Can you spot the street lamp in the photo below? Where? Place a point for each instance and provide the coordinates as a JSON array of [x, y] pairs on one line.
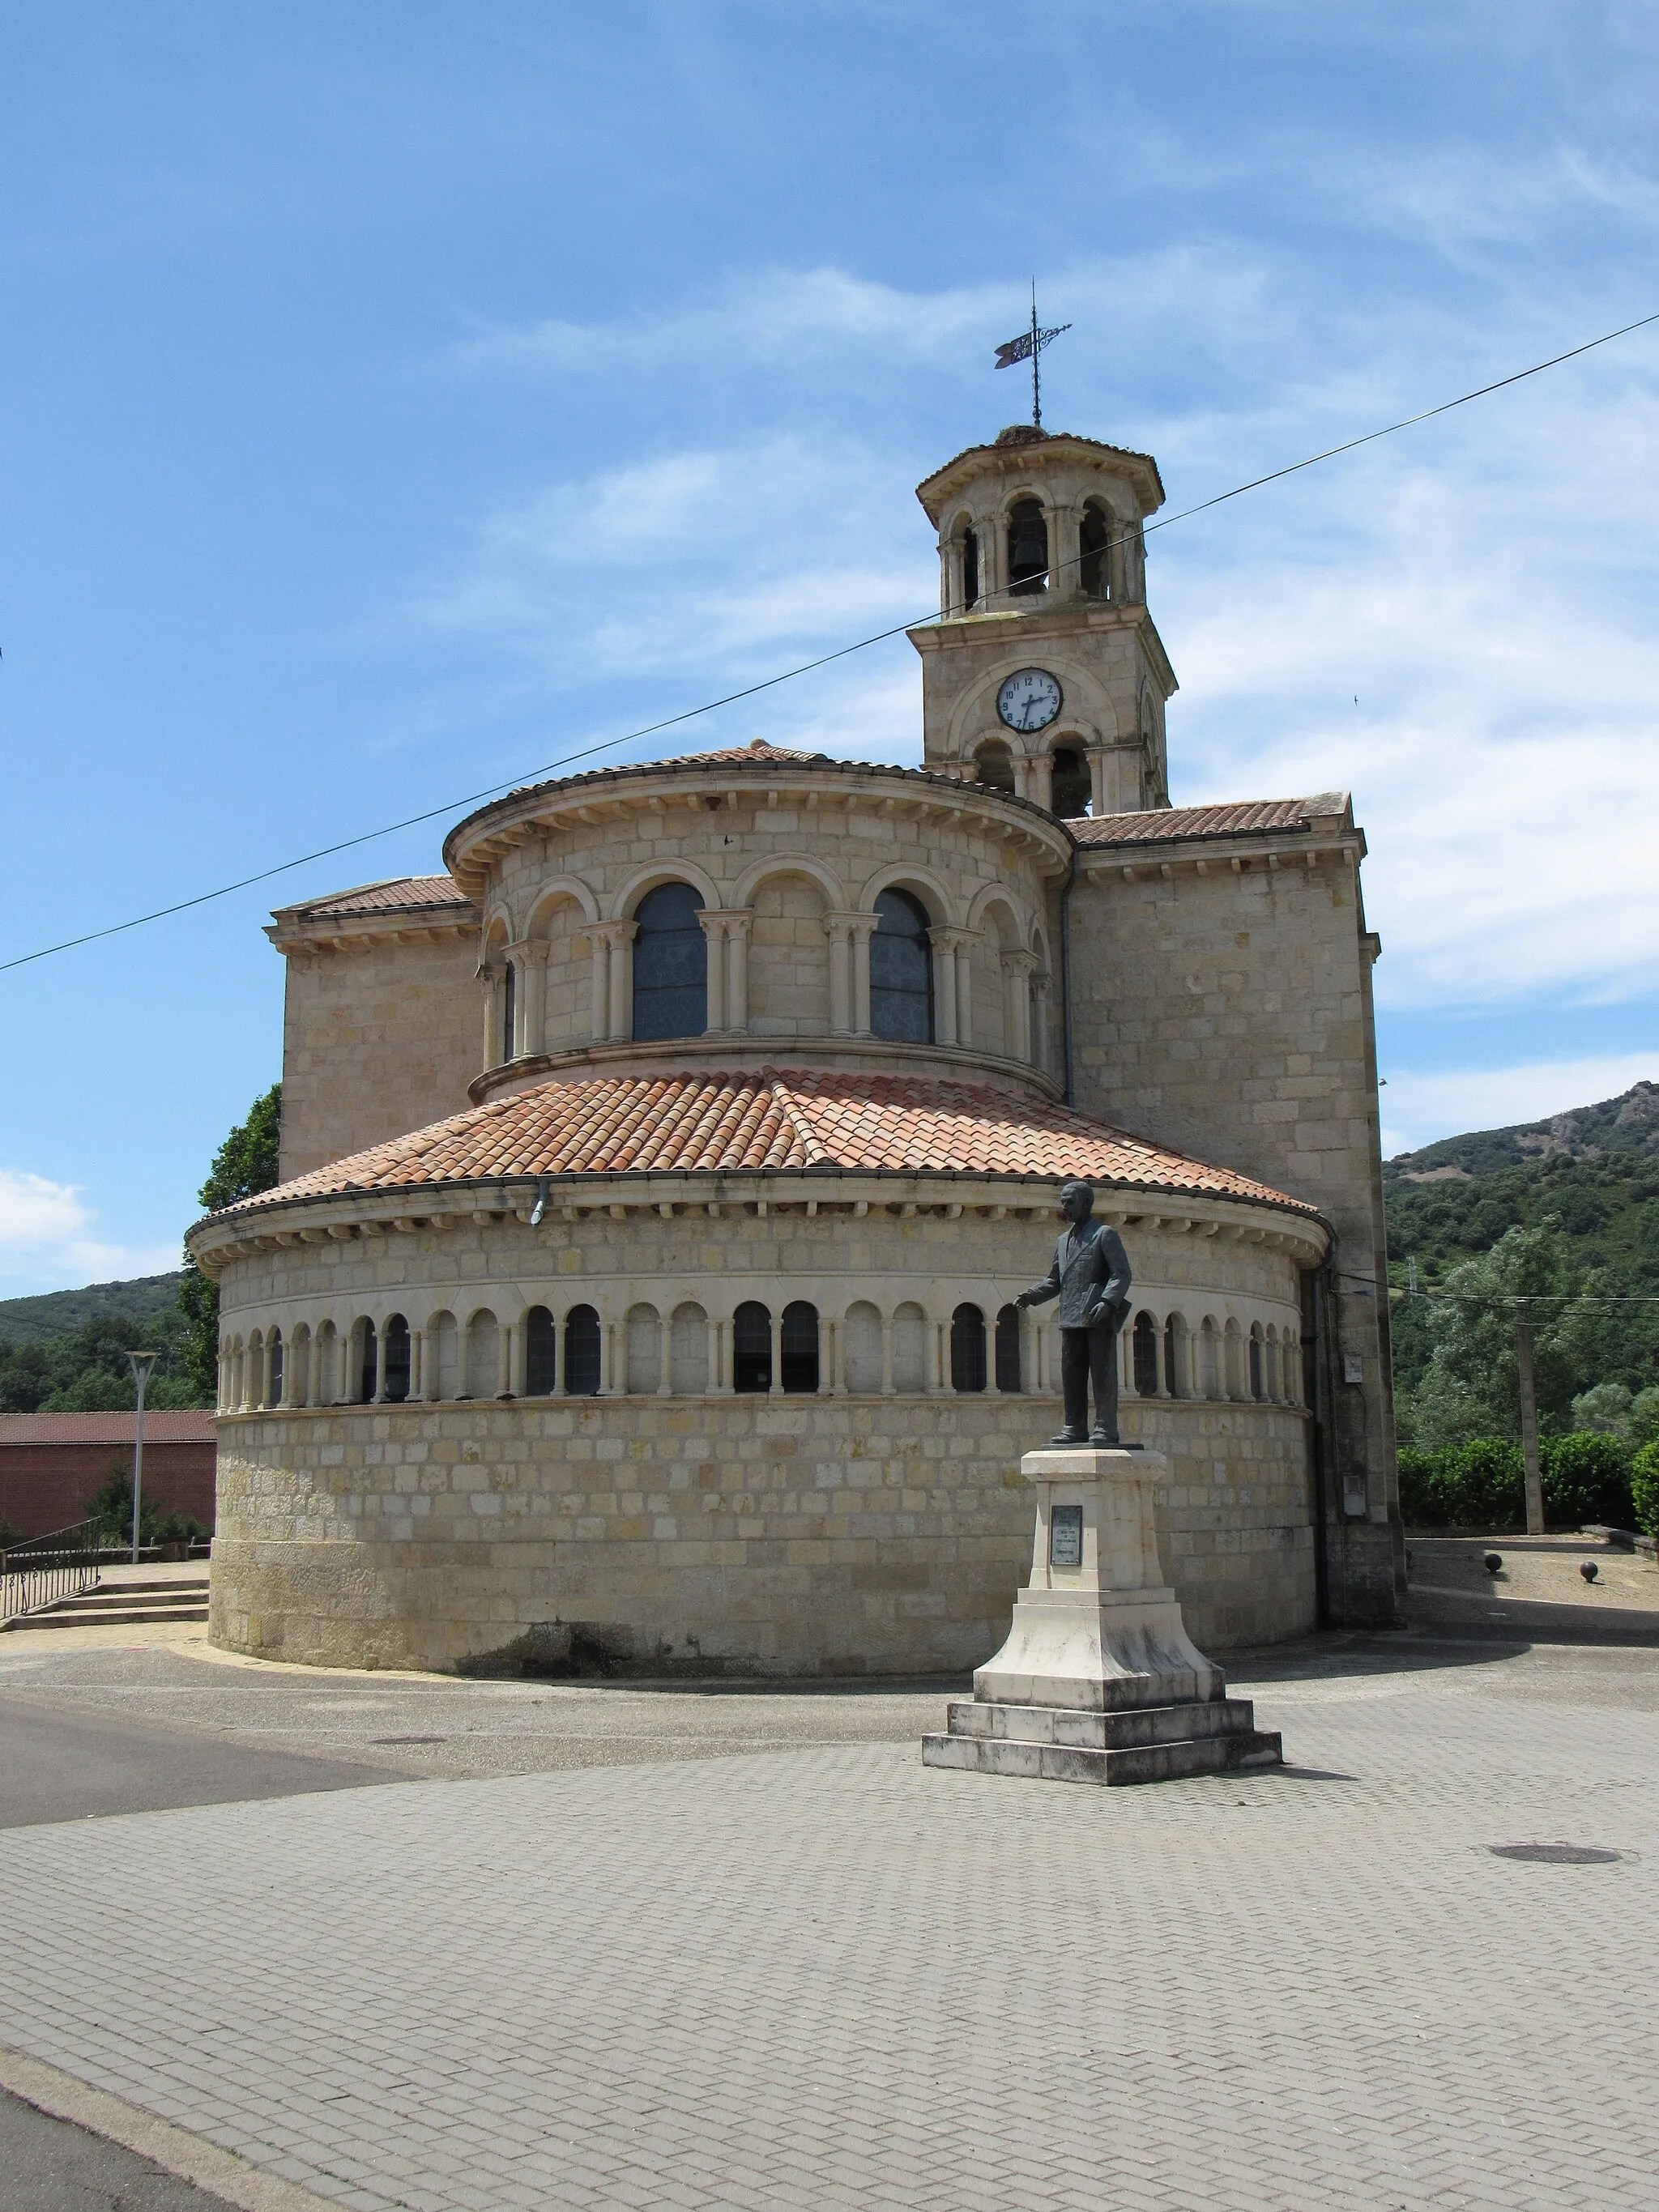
[[141, 1363]]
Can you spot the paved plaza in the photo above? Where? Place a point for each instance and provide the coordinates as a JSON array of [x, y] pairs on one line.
[[742, 1950]]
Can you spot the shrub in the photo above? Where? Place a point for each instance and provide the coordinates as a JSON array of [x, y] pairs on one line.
[[1587, 1477], [1478, 1485], [1644, 1488], [1420, 1505]]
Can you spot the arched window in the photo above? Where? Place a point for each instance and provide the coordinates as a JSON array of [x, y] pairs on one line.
[[799, 1346], [1145, 1356], [1094, 539], [509, 1010], [541, 1338], [1171, 1372], [1008, 1373], [967, 1349], [752, 1347], [582, 1352], [484, 1355], [397, 1359], [274, 1353], [1073, 788], [969, 570], [910, 1331], [993, 765], [1028, 548], [670, 964], [1257, 1387], [366, 1368], [901, 971]]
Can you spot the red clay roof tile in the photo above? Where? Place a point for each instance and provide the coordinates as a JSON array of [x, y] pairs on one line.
[[792, 1118], [174, 1425], [1237, 819], [398, 892]]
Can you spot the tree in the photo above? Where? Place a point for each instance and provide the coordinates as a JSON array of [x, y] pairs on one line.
[[245, 1165], [1472, 1386]]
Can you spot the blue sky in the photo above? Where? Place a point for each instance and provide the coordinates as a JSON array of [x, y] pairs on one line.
[[398, 397]]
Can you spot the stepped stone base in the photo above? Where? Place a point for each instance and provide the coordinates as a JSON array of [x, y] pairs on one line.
[[1098, 1681]]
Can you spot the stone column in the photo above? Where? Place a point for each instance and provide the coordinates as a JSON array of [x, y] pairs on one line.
[[939, 1357], [838, 928], [1061, 522], [488, 979], [285, 1396], [887, 1384], [532, 996], [776, 1390], [826, 1357], [610, 1364], [1101, 800], [863, 929], [599, 944], [1017, 969], [1040, 1056], [623, 934], [738, 924], [720, 1333], [992, 558], [416, 1364], [1117, 558], [1040, 781], [965, 952], [945, 985], [838, 1358], [379, 1398], [714, 929]]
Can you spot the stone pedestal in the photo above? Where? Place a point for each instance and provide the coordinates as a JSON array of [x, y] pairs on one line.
[[1098, 1681]]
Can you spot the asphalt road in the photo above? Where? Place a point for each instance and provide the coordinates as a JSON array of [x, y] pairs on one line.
[[52, 2166]]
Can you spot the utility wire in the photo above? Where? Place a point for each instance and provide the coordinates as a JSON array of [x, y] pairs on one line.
[[806, 667]]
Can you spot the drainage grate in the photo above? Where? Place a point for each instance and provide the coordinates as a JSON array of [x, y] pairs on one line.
[[409, 1739], [1556, 1854]]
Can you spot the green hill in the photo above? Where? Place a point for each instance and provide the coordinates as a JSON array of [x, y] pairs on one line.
[[1595, 1171], [56, 1313]]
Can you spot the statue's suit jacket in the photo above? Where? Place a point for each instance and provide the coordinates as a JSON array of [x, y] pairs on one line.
[[1091, 1269]]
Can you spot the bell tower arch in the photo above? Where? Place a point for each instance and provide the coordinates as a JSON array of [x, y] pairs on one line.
[[1045, 666]]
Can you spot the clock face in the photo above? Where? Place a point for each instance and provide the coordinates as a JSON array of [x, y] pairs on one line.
[[1030, 699]]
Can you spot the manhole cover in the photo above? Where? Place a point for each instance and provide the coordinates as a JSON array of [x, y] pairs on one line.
[[1556, 1854], [433, 1739]]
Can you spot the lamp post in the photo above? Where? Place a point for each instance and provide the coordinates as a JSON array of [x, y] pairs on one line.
[[141, 1363]]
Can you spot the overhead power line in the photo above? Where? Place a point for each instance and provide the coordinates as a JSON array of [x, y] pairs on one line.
[[802, 668]]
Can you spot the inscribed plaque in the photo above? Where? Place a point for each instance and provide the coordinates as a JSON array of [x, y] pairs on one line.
[[1065, 1536]]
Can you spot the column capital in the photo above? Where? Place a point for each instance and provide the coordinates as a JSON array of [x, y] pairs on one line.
[[731, 919], [949, 939], [1018, 963]]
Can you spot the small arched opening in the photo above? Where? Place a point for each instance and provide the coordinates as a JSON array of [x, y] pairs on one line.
[[967, 1349], [397, 1359], [752, 1347], [798, 1347], [367, 1363], [993, 765], [644, 1350], [1258, 1365], [1071, 789], [1009, 1378], [1145, 1356], [1094, 568], [274, 1362], [670, 964], [582, 1352], [902, 970], [1028, 548], [541, 1342]]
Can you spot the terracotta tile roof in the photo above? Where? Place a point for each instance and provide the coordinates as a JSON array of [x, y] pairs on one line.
[[1241, 819], [175, 1427], [797, 1118], [757, 749], [399, 893]]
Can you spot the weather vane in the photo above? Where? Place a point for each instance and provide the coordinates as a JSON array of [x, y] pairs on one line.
[[1027, 347]]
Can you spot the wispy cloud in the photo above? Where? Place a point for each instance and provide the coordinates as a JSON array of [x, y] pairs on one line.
[[48, 1240], [1418, 1109]]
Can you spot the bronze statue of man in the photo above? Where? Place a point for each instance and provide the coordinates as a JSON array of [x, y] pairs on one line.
[[1090, 1278]]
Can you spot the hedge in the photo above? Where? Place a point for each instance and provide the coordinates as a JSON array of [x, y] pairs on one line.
[[1482, 1485], [1644, 1488]]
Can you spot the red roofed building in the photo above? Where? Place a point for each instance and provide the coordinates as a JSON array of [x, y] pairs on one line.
[[50, 1464], [659, 1179]]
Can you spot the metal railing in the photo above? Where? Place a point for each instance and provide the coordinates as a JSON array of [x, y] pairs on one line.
[[41, 1570]]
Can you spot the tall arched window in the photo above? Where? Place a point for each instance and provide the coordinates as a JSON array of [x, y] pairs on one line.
[[1258, 1388], [366, 1370], [993, 765], [670, 964], [541, 1338], [274, 1351], [1145, 1347], [397, 1359], [509, 1010], [969, 570], [1094, 540], [799, 1346], [1008, 1373], [1028, 548], [582, 1352], [967, 1349], [901, 971], [752, 1347]]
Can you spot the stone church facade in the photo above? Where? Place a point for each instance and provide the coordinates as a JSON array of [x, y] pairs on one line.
[[657, 1180]]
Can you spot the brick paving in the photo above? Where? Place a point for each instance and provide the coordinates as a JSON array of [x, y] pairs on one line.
[[829, 1976]]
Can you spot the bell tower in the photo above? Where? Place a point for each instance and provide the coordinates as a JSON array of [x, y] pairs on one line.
[[1044, 675]]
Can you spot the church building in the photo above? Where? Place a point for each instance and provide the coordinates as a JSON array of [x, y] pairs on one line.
[[659, 1179]]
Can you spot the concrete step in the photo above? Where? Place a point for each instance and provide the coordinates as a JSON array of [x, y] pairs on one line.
[[1058, 1762], [124, 1594], [53, 1616], [1090, 1731]]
